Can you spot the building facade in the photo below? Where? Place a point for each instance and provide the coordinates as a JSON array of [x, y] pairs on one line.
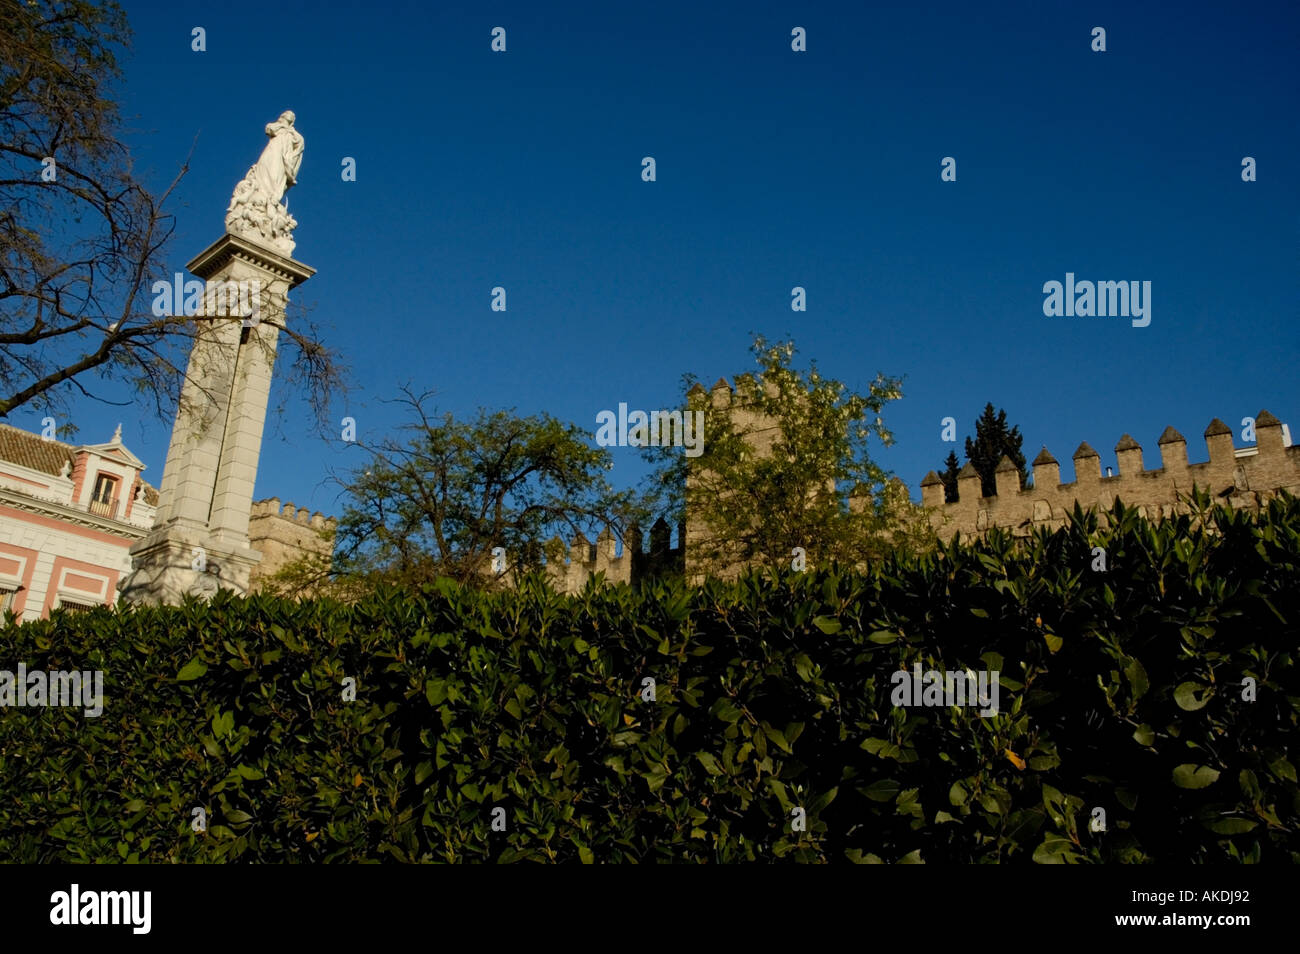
[[68, 517]]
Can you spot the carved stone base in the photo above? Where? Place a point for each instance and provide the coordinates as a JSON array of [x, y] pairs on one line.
[[165, 567]]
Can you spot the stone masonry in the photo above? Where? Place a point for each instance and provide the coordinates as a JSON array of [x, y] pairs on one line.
[[200, 539], [285, 535], [1244, 477]]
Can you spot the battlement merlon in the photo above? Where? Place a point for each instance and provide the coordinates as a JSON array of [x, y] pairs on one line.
[[303, 517]]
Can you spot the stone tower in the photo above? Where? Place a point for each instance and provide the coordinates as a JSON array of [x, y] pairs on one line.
[[200, 538]]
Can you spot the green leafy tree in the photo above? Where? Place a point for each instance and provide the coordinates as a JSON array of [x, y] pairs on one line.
[[438, 503], [786, 464], [993, 440]]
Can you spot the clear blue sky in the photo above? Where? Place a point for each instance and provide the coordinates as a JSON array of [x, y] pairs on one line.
[[775, 169]]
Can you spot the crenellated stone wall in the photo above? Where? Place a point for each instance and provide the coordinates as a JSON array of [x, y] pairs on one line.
[[570, 566], [1245, 477], [633, 565], [284, 535]]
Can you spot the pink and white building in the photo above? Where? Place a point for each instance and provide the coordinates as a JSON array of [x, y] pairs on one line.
[[68, 517]]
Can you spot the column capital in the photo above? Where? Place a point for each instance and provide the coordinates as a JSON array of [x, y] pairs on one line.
[[229, 247]]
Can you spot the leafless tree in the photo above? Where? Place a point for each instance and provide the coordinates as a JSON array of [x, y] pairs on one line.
[[81, 238]]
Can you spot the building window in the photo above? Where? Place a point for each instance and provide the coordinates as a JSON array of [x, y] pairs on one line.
[[104, 485], [101, 501], [75, 606], [7, 595]]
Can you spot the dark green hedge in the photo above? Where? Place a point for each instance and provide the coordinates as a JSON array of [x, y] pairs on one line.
[[1119, 690]]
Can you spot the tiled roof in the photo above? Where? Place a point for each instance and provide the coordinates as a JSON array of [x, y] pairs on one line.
[[33, 451], [30, 450]]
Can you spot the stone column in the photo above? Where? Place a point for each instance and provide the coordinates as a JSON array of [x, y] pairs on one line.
[[207, 486]]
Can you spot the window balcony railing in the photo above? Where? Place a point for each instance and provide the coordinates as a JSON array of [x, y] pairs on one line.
[[104, 508]]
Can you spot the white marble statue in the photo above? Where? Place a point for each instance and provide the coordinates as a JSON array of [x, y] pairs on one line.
[[256, 211]]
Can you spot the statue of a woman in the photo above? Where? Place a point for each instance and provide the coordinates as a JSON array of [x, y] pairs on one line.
[[255, 210], [277, 169]]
